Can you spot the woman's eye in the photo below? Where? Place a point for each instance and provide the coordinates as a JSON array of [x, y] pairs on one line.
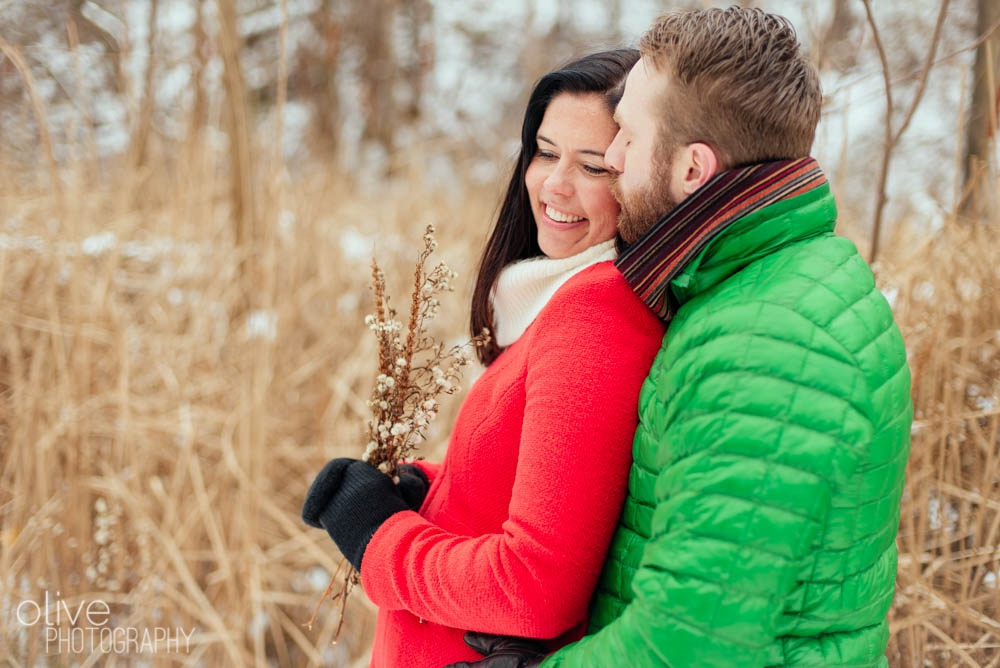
[[596, 171], [546, 155]]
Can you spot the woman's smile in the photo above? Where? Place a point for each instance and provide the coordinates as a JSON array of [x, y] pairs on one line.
[[560, 218]]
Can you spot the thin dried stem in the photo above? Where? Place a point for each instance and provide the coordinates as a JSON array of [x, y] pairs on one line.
[[38, 107], [327, 593]]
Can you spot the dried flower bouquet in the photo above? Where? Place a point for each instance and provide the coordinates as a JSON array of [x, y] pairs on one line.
[[413, 371]]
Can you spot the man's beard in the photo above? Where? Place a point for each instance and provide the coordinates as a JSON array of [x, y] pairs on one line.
[[643, 208]]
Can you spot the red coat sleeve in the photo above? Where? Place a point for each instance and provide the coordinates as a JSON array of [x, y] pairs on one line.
[[590, 349]]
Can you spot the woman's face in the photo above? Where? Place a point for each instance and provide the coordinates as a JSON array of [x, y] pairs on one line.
[[566, 179]]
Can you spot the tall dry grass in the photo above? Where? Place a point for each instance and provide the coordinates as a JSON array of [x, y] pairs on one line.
[[946, 291], [166, 397]]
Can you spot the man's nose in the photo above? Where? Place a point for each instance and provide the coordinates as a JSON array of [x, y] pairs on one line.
[[614, 156]]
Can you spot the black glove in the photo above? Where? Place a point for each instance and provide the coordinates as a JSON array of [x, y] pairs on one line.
[[351, 499], [413, 485], [502, 651]]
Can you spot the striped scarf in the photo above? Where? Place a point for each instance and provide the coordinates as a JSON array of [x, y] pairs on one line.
[[662, 253]]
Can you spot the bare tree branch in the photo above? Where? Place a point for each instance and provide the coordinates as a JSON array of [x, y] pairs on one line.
[[834, 92], [978, 197], [892, 137], [925, 71], [147, 105], [237, 125], [282, 95]]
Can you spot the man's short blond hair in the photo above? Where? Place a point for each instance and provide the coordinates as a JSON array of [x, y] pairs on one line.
[[737, 81]]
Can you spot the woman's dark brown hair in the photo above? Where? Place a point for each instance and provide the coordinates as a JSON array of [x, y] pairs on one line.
[[514, 235]]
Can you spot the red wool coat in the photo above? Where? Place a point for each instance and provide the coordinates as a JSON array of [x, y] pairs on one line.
[[518, 518]]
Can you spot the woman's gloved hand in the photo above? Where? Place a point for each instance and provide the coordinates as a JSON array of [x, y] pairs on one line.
[[413, 485], [351, 499]]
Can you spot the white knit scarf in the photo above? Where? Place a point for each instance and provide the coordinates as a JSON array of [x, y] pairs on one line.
[[524, 288]]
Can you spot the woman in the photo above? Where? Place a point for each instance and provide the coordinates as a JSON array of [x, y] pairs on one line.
[[516, 521]]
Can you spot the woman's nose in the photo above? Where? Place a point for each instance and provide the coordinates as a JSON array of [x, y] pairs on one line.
[[558, 181]]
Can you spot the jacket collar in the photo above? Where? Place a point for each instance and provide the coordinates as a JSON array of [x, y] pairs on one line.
[[685, 252]]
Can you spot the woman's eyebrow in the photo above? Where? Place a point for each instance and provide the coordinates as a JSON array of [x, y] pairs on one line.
[[586, 151]]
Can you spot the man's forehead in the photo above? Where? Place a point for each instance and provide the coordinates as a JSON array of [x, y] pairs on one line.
[[628, 91], [636, 83], [630, 80]]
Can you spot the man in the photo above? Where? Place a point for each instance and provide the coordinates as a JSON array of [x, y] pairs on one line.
[[763, 502]]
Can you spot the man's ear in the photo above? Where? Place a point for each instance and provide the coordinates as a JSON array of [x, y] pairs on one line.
[[700, 164]]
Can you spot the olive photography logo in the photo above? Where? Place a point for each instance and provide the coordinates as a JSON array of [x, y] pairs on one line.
[[87, 626]]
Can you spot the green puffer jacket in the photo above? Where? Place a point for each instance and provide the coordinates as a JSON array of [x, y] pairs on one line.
[[763, 502]]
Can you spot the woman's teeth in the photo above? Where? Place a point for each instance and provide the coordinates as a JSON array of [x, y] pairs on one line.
[[560, 216]]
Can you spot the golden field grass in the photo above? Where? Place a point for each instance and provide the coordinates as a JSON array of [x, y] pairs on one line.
[[166, 398]]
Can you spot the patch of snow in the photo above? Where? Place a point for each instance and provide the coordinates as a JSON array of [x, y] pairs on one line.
[[891, 293], [318, 578], [924, 292], [99, 244], [987, 404], [262, 324], [356, 246], [348, 302], [968, 289], [260, 623]]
